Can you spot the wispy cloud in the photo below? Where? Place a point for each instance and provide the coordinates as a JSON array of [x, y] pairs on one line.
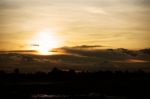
[[79, 20]]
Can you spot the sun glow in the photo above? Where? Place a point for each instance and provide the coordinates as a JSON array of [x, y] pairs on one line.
[[45, 41]]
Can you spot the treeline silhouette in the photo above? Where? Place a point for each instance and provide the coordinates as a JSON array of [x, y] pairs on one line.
[[61, 75], [112, 83]]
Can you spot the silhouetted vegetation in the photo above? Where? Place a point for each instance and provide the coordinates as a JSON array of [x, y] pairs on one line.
[[76, 84], [146, 51]]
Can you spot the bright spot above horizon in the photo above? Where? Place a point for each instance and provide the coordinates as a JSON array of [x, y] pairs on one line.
[[46, 41]]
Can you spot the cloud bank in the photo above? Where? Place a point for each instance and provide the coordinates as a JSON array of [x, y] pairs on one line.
[[78, 59]]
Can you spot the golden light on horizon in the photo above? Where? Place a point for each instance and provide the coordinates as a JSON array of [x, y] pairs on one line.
[[45, 41]]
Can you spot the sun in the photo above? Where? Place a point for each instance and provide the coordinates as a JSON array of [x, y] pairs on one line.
[[46, 41]]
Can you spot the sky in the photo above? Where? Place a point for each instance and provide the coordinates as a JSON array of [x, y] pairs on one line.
[[112, 23]]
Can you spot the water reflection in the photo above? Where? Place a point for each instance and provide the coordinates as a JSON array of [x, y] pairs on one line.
[[45, 96], [79, 96]]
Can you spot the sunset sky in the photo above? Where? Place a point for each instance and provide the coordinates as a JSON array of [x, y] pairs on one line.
[[111, 23]]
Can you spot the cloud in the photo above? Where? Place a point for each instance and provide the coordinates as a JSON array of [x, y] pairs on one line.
[[96, 53], [87, 46], [78, 59], [35, 45]]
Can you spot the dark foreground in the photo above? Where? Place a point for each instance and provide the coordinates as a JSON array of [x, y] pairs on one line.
[[75, 85]]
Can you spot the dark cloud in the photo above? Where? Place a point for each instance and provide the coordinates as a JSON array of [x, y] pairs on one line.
[[79, 59], [15, 4], [144, 2], [35, 45], [10, 5], [97, 53], [88, 46]]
